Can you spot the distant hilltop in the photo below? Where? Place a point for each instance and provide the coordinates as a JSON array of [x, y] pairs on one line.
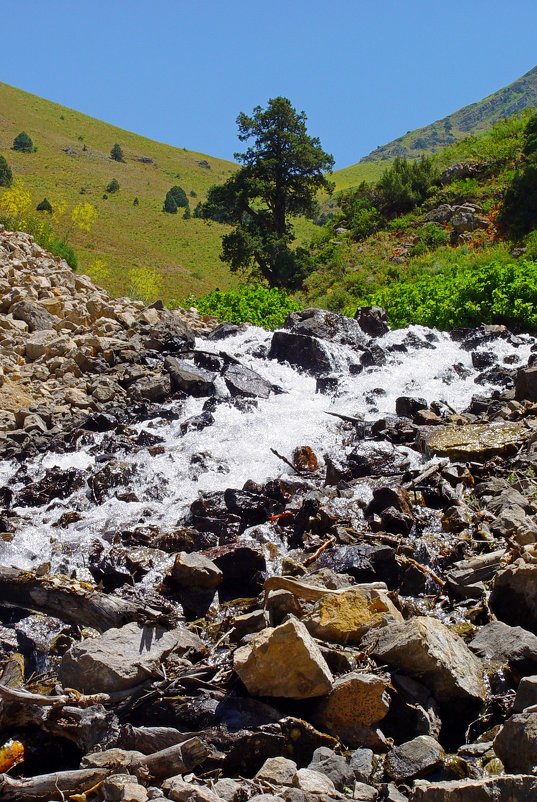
[[471, 119]]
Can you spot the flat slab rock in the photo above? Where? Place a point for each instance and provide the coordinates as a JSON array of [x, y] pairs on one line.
[[508, 788], [284, 661], [124, 657], [474, 442], [425, 648]]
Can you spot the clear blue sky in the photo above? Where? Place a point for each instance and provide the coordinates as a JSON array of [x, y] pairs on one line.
[[364, 72]]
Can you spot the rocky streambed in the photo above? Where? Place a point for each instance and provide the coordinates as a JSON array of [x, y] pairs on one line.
[[239, 565]]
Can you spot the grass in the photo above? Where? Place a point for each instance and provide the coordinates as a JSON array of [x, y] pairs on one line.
[[184, 254]]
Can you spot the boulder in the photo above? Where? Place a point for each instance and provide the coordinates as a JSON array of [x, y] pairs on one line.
[[526, 694], [301, 351], [190, 379], [302, 670], [179, 790], [34, 315], [526, 384], [373, 320], [514, 595], [361, 763], [241, 381], [311, 782], [415, 758], [509, 788], [474, 442], [277, 771], [48, 343], [346, 617], [124, 657], [501, 643], [516, 743], [195, 570], [356, 703], [334, 766], [426, 649]]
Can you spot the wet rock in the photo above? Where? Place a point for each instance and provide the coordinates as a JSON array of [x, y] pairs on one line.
[[300, 350], [427, 649], [327, 385], [509, 788], [241, 381], [197, 422], [124, 657], [415, 758], [516, 743], [56, 483], [304, 459], [326, 326], [114, 475], [389, 496], [373, 320], [346, 617], [277, 771], [334, 766], [251, 507], [189, 379], [504, 644], [483, 359], [474, 442], [224, 330], [303, 672], [364, 562], [355, 705], [526, 384], [311, 782], [407, 407], [514, 595], [195, 570], [240, 564], [526, 694]]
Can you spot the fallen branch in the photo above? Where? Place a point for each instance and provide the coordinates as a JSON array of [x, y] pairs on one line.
[[426, 474], [46, 787], [177, 759], [311, 559], [314, 592], [299, 471], [401, 559], [71, 697]]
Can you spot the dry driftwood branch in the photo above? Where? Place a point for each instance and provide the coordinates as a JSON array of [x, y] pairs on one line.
[[151, 739], [401, 559], [299, 471], [326, 545], [49, 787], [178, 759], [314, 592], [21, 696], [70, 601]]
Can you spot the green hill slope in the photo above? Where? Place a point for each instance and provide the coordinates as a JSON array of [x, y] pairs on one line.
[[72, 164], [469, 120]]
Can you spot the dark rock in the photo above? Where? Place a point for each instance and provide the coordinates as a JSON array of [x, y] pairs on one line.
[[301, 351], [526, 694], [361, 763], [224, 330], [365, 562], [207, 361], [396, 522], [526, 384], [34, 315], [195, 570], [327, 385], [196, 423], [373, 356], [514, 595], [56, 483], [483, 359], [326, 326], [326, 762], [510, 645], [189, 379], [156, 387], [171, 335], [407, 407], [242, 381], [516, 743], [114, 475], [239, 563], [416, 758], [373, 320], [100, 422], [252, 508], [387, 496]]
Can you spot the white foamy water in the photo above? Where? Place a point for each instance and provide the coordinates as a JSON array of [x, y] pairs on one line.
[[238, 445]]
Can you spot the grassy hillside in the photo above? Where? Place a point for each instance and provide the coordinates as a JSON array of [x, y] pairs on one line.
[[472, 119], [73, 157]]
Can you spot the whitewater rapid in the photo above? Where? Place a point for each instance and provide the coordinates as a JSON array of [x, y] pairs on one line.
[[238, 445]]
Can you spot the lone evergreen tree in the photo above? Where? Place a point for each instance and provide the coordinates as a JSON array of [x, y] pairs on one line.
[[23, 143], [6, 176], [117, 154], [281, 173], [44, 206], [113, 186], [170, 205], [180, 197]]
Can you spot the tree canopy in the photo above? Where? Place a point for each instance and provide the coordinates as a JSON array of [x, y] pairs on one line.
[[116, 153], [282, 171], [6, 176], [23, 142]]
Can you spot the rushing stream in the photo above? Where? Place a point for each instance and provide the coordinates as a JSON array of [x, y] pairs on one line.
[[237, 446]]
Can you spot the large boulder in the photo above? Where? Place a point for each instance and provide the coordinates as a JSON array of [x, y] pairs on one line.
[[509, 788], [188, 378], [34, 315], [346, 617], [514, 595], [498, 642], [426, 649], [526, 384], [327, 326], [516, 742], [415, 758], [474, 442], [301, 351], [285, 662], [355, 705], [121, 658], [373, 320], [241, 381]]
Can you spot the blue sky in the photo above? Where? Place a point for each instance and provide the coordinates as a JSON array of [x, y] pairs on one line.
[[180, 72]]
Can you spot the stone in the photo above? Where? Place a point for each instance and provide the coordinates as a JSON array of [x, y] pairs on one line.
[[426, 649], [123, 788], [407, 407], [415, 758], [526, 694], [277, 771], [229, 790], [361, 763], [195, 570], [311, 782], [34, 315], [302, 670], [47, 343], [526, 384], [365, 793], [373, 320], [356, 703], [302, 351], [501, 643], [514, 595], [241, 381], [334, 766], [346, 617], [474, 442], [190, 379], [179, 790], [509, 788], [121, 658], [516, 743], [156, 387]]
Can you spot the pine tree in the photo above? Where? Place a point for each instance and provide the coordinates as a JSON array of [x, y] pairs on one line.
[[170, 205], [6, 176], [44, 206], [23, 143], [117, 154]]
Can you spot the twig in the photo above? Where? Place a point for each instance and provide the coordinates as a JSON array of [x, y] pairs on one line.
[[299, 471], [311, 559], [70, 698], [423, 568]]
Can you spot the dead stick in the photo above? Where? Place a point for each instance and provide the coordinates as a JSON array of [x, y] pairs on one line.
[[27, 698], [287, 462], [423, 568], [313, 557]]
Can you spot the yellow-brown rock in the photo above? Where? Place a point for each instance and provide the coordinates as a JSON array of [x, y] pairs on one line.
[[357, 702], [475, 442], [284, 661], [346, 617]]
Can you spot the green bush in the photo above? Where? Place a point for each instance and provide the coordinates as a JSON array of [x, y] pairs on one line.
[[6, 176], [179, 196], [531, 246], [261, 306], [116, 153], [429, 237], [489, 293], [23, 143], [113, 186], [44, 206], [170, 205], [405, 185]]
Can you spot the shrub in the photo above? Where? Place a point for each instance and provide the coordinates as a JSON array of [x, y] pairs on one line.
[[429, 237], [261, 306], [170, 205], [6, 176], [113, 186], [179, 195], [405, 185], [44, 206], [136, 202], [186, 213], [116, 153], [23, 143], [531, 246]]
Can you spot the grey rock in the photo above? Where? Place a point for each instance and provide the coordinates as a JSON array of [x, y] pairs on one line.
[[242, 381], [373, 320], [300, 350], [526, 694], [311, 782], [248, 623], [509, 788], [37, 318], [364, 793], [229, 790], [499, 642], [177, 789], [124, 657], [156, 388], [514, 595], [334, 766], [190, 379], [414, 758], [192, 569], [277, 771], [526, 384], [516, 743], [361, 763]]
